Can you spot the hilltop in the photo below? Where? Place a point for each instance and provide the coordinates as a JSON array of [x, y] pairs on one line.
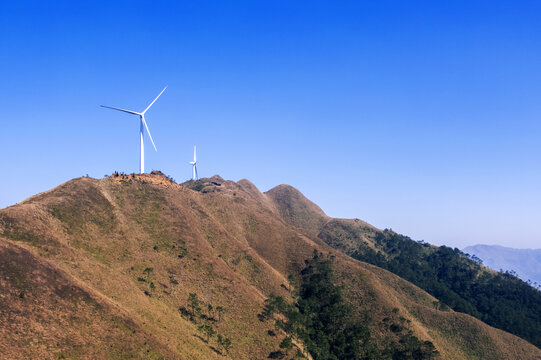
[[104, 268]]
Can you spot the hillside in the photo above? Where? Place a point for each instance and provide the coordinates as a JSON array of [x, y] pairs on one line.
[[499, 299], [47, 314], [525, 262], [457, 281], [118, 258], [451, 276]]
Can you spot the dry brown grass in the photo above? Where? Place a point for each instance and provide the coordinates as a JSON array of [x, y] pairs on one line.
[[223, 240], [46, 314]]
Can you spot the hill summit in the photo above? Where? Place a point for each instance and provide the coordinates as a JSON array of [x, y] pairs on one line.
[[138, 266]]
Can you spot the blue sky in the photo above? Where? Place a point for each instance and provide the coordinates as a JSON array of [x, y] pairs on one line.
[[421, 116]]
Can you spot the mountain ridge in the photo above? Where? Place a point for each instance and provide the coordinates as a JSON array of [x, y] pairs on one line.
[[145, 243]]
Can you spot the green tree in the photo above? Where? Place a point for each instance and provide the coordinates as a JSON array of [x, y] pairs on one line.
[[220, 340], [226, 344], [148, 270], [286, 344], [219, 309], [208, 330], [193, 303]]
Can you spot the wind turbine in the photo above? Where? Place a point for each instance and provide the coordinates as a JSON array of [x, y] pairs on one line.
[[141, 123], [194, 165]]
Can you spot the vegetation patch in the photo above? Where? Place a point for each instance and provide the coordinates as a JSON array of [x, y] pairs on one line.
[[499, 299], [206, 316], [323, 322], [14, 230]]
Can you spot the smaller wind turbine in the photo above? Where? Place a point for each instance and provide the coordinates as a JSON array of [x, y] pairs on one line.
[[194, 165]]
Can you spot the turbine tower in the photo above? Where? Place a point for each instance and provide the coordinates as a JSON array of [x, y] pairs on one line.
[[141, 123], [194, 165]]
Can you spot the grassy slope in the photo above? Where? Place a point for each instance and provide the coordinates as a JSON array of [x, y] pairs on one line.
[[224, 241], [47, 314]]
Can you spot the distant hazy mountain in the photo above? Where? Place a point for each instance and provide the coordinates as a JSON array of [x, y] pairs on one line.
[[525, 262]]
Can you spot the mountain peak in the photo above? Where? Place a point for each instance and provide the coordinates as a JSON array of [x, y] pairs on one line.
[[155, 177], [297, 210]]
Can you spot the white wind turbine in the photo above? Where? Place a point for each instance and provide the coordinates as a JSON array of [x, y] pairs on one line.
[[194, 165], [141, 123]]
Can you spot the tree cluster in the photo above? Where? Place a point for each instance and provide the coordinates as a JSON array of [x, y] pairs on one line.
[[322, 321], [206, 320], [499, 299]]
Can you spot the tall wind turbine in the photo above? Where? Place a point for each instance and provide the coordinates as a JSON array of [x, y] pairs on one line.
[[194, 165], [141, 123]]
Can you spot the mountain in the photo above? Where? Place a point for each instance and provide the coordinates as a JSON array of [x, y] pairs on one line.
[[137, 266], [296, 209], [526, 263], [501, 300]]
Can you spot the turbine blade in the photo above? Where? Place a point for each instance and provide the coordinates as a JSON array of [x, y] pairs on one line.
[[148, 131], [196, 174], [194, 156], [119, 109], [154, 100]]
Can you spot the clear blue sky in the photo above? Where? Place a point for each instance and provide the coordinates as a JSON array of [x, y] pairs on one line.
[[421, 116]]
